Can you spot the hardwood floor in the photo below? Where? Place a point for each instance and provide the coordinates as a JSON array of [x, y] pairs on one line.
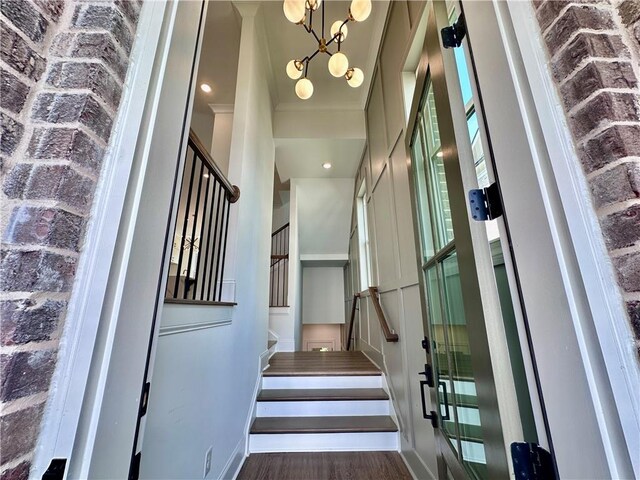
[[320, 364], [325, 466]]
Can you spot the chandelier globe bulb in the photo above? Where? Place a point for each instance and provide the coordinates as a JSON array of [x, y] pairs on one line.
[[294, 69], [294, 10], [338, 64], [304, 88], [335, 28], [355, 77], [313, 4], [360, 10]]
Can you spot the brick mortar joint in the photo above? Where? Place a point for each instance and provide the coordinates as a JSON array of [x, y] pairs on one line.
[[42, 346], [561, 13], [616, 207], [589, 61], [51, 89], [582, 141], [22, 403], [572, 37], [621, 252], [35, 296], [580, 105], [591, 176], [45, 203], [40, 248], [27, 457]]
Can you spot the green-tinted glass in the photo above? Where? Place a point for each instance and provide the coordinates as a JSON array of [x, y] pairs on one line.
[[462, 384], [420, 181]]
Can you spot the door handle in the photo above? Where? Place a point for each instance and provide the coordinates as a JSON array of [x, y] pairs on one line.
[[433, 416], [445, 397]]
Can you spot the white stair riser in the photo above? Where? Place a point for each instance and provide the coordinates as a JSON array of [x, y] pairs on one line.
[[323, 408], [372, 381], [324, 442]]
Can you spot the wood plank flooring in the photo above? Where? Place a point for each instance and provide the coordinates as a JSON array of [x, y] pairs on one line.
[[325, 466], [313, 394], [273, 425], [320, 364]]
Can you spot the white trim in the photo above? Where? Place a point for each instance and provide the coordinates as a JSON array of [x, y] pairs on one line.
[[221, 107], [238, 451], [82, 320], [190, 327], [605, 303]]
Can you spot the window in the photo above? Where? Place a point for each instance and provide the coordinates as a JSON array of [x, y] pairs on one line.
[[363, 238]]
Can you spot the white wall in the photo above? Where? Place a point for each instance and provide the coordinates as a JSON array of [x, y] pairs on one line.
[[202, 124], [322, 295], [324, 214], [280, 216], [207, 373], [222, 131]]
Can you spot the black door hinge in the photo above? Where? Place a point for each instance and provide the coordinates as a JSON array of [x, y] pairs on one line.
[[134, 470], [453, 35], [532, 462], [485, 203], [426, 344], [144, 402], [56, 468]]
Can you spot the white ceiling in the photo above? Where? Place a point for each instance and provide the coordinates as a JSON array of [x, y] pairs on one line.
[[305, 131], [288, 41]]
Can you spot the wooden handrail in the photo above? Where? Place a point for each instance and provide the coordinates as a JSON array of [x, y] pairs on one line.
[[388, 334], [353, 317], [207, 159], [279, 230]]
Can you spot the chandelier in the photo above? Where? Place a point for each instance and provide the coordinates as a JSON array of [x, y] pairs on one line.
[[298, 12]]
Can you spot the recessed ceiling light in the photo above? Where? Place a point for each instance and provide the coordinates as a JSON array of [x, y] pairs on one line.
[[439, 154], [326, 165], [206, 88]]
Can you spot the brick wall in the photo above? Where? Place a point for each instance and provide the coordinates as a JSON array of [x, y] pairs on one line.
[[62, 68], [594, 51]]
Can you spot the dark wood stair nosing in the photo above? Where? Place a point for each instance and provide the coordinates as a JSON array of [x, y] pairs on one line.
[[311, 425], [327, 395]]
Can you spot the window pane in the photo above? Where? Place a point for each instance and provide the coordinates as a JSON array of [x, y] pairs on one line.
[[462, 384], [422, 198]]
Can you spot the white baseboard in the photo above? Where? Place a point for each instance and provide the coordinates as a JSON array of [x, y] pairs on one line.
[[235, 462], [286, 345], [416, 466]]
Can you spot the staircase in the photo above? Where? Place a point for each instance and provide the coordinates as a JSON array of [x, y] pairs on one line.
[[322, 401]]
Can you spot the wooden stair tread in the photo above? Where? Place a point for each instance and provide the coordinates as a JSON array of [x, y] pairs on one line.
[[312, 394], [291, 364], [346, 424]]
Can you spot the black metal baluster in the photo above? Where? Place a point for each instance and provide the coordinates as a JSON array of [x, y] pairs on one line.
[[206, 256], [224, 251], [184, 227], [193, 229], [201, 244], [278, 269], [219, 245], [216, 253]]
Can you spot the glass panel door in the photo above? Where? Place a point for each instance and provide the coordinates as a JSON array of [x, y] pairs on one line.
[[451, 352], [467, 298]]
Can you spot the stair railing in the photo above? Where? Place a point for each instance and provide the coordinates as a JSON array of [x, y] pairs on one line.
[[374, 293], [279, 274], [199, 248]]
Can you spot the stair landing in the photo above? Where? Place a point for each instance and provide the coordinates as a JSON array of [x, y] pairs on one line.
[[309, 364]]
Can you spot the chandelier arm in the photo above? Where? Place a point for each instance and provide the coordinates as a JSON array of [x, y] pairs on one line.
[[323, 4]]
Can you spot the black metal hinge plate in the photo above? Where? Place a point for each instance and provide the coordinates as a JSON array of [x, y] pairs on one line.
[[56, 468], [532, 462], [453, 35], [485, 203], [145, 399]]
